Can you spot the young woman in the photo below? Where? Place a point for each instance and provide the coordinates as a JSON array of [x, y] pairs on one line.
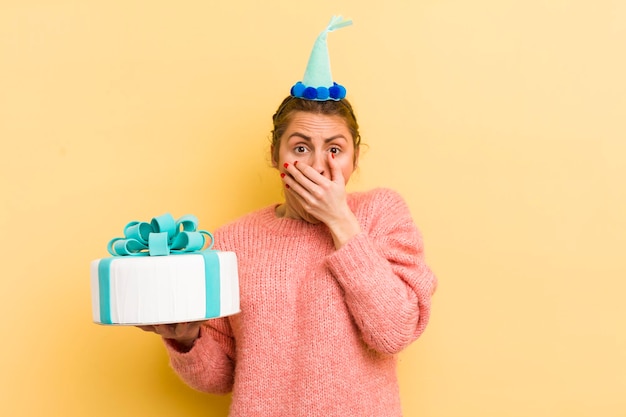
[[333, 285]]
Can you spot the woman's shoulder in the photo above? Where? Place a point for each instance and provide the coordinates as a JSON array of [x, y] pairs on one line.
[[243, 230], [378, 204], [248, 219], [380, 196]]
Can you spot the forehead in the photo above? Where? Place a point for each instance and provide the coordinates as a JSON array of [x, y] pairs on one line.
[[315, 125]]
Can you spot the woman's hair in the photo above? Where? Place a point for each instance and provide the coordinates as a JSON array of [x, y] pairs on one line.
[[341, 108]]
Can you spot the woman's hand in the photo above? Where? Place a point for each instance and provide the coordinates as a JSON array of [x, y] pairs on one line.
[[323, 198], [183, 335]]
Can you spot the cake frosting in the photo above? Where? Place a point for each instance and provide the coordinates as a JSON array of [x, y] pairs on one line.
[[163, 272]]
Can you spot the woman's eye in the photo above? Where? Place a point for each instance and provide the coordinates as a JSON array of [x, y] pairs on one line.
[[300, 149], [335, 150]]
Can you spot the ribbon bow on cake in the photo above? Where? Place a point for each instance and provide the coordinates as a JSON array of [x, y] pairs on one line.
[[162, 236]]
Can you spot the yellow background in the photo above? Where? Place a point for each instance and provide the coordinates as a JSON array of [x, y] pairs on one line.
[[501, 122]]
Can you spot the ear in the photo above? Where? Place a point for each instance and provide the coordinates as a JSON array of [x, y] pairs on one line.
[[274, 161], [357, 153]]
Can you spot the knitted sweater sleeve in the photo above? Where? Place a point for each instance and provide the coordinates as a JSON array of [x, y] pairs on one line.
[[387, 284], [209, 365]]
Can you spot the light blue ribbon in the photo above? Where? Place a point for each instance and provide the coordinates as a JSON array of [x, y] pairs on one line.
[[212, 284], [162, 236], [104, 290]]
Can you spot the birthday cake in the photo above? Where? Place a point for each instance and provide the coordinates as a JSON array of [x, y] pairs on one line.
[[164, 272]]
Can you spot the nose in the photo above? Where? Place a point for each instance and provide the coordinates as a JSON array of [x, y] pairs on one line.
[[318, 162]]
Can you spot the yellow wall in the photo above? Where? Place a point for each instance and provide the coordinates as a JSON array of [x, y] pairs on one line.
[[501, 122]]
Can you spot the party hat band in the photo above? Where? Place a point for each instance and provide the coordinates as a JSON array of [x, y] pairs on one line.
[[317, 83]]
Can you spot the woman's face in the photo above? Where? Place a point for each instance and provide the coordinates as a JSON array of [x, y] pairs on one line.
[[311, 138]]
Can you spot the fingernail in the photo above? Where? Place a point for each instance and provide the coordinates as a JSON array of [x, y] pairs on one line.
[[286, 185], [286, 165], [332, 155], [282, 175], [295, 163]]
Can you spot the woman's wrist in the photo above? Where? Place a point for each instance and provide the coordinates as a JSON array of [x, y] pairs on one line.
[[344, 229]]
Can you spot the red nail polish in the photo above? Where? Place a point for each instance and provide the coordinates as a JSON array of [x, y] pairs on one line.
[[286, 185], [332, 155], [295, 163], [282, 175], [286, 165]]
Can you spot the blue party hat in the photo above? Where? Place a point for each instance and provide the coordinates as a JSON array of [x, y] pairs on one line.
[[317, 83]]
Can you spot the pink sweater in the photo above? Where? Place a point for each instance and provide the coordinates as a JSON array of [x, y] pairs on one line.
[[319, 328]]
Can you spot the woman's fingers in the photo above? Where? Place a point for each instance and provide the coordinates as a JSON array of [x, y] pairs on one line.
[[318, 195], [185, 330]]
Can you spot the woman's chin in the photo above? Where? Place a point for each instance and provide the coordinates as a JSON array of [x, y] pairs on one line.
[[310, 219], [301, 214]]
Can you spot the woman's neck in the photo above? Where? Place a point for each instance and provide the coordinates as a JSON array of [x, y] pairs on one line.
[[285, 211]]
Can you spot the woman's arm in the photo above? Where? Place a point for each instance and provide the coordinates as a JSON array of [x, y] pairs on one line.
[[201, 353], [387, 284]]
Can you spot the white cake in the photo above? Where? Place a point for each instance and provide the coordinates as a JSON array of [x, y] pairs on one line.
[[135, 290]]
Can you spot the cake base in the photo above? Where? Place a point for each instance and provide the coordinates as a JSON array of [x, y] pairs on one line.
[[143, 290]]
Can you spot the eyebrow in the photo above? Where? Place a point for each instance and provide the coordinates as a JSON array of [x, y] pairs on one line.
[[308, 138]]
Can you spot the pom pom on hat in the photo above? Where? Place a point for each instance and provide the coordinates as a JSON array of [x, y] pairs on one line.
[[317, 83]]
